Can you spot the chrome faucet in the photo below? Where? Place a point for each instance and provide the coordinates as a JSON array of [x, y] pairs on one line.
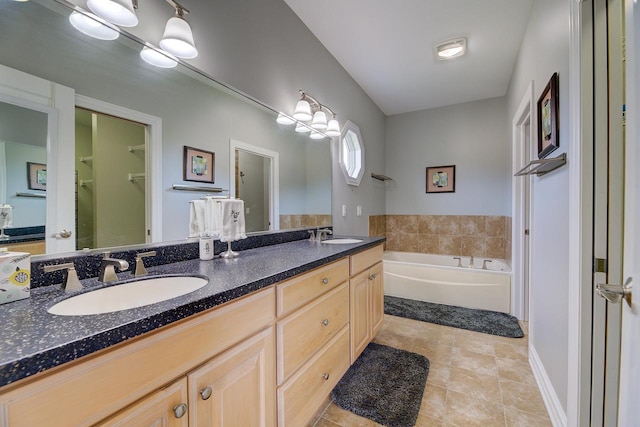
[[322, 232], [471, 265], [140, 269], [70, 281], [108, 266], [484, 264], [459, 261]]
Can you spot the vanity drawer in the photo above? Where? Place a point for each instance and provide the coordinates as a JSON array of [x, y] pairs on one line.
[[302, 333], [365, 259], [300, 397], [300, 290]]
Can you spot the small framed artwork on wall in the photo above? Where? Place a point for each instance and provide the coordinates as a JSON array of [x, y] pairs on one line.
[[36, 176], [198, 165], [441, 179], [548, 139]]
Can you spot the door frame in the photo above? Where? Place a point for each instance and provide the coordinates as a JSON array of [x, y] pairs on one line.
[[524, 115], [153, 159]]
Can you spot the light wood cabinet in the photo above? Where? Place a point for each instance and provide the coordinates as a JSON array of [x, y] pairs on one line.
[[366, 290], [237, 387]]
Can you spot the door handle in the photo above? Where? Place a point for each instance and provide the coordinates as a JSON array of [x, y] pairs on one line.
[[615, 293]]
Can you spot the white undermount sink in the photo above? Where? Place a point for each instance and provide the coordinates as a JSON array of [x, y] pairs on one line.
[[341, 241], [128, 295]]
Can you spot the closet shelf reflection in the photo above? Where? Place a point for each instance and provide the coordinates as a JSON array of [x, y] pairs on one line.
[[543, 166]]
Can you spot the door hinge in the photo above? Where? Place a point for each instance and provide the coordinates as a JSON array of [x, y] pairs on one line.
[[600, 265]]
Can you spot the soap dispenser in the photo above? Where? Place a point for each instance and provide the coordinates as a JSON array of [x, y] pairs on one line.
[[206, 248]]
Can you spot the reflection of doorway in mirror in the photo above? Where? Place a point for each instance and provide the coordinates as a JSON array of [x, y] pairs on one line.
[[110, 190], [252, 175]]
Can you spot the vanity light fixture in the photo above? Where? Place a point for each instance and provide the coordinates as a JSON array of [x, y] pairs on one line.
[[93, 26], [309, 108], [178, 37], [118, 12], [158, 57], [451, 49], [283, 119]]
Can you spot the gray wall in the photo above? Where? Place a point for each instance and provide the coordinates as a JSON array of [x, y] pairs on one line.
[[545, 50], [470, 136]]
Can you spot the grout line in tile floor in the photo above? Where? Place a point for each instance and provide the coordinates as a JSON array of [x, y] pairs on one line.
[[465, 368]]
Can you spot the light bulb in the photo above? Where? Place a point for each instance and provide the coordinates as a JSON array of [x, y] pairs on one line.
[[158, 58], [92, 26], [283, 119], [178, 38], [319, 120], [302, 111], [333, 128], [119, 12], [302, 128]]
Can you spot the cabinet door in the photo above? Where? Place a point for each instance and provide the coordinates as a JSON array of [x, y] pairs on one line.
[[236, 388], [166, 408], [376, 278], [360, 313]]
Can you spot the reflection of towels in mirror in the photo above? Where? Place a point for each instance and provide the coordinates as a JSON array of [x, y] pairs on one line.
[[233, 227], [5, 216], [204, 218]]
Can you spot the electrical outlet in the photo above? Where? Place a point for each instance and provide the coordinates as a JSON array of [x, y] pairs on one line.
[[358, 210]]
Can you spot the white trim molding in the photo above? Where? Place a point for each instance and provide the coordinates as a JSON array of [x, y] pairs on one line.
[[549, 396]]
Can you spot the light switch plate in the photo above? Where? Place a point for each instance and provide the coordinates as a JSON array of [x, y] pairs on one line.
[[344, 210]]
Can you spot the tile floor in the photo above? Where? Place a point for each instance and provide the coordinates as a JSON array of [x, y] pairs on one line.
[[474, 379]]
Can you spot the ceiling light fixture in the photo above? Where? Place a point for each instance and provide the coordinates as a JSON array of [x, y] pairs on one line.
[[451, 49], [93, 26], [178, 37], [309, 108]]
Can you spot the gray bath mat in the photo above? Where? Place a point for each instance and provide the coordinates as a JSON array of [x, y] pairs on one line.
[[488, 322], [384, 384]]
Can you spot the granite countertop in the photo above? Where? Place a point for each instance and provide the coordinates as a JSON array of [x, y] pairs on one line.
[[34, 340], [23, 238]]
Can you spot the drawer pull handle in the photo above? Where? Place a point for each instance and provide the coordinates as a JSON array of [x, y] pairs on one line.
[[325, 281], [325, 322], [373, 276], [205, 393], [325, 376], [180, 410]]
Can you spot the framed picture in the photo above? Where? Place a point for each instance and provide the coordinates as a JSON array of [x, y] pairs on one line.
[[198, 165], [548, 139], [36, 176], [441, 179]]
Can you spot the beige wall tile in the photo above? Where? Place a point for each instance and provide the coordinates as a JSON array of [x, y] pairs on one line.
[[285, 222], [324, 220], [494, 226], [507, 251], [473, 246], [296, 221], [472, 225], [393, 241], [409, 242], [407, 223], [449, 245], [310, 220], [391, 224], [447, 224], [495, 247], [427, 224], [428, 243], [507, 228], [373, 225]]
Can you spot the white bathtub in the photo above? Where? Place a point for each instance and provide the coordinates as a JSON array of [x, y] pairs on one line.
[[438, 279]]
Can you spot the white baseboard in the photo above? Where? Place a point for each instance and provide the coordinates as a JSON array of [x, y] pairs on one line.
[[551, 401]]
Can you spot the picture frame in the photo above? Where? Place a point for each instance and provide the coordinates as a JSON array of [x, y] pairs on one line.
[[37, 176], [198, 165], [441, 179], [548, 126]]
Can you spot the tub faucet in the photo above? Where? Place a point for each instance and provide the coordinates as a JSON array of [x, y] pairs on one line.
[[108, 266], [459, 261], [484, 264], [471, 265]]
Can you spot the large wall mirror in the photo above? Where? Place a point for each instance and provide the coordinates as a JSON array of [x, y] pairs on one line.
[[113, 177]]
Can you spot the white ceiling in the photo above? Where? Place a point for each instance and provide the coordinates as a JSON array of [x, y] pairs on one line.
[[387, 47]]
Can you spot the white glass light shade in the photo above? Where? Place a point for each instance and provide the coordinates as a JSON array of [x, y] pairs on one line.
[[157, 58], [91, 26], [319, 120], [316, 135], [302, 128], [302, 111], [178, 39], [451, 49], [333, 128], [119, 12], [283, 119]]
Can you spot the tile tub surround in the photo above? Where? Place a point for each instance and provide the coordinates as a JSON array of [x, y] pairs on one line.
[[467, 235], [34, 340]]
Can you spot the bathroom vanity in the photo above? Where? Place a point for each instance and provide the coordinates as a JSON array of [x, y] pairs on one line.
[[262, 344]]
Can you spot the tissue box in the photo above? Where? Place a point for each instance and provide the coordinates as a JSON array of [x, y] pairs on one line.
[[15, 276]]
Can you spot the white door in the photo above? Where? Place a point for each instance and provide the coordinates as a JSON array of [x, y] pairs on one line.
[[629, 410]]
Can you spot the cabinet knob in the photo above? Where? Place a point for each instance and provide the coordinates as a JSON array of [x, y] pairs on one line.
[[325, 376], [180, 410], [205, 393], [325, 322], [373, 276], [325, 280]]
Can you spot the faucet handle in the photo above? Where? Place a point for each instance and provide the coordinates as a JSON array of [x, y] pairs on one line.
[[320, 232], [312, 236], [140, 269], [70, 281]]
